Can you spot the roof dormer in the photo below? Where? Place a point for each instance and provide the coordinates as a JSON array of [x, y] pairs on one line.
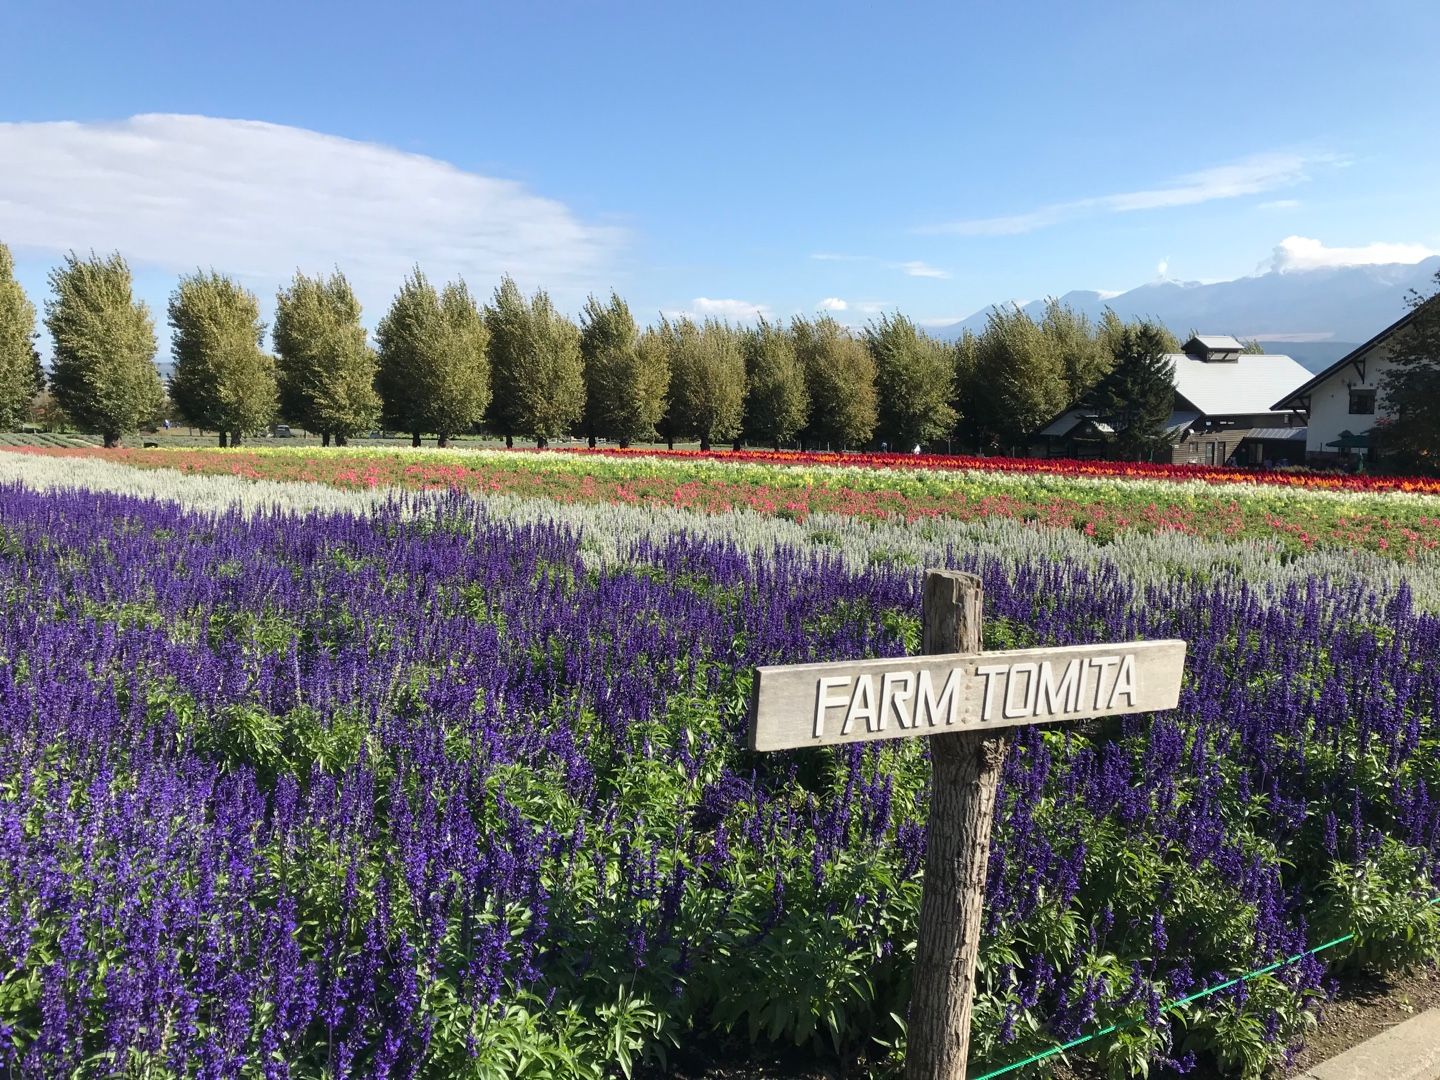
[[1213, 348]]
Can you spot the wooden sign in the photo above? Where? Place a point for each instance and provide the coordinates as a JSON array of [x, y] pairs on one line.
[[967, 699], [820, 704]]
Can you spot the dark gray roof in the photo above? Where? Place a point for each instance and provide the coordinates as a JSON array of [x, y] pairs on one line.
[[1062, 424], [1179, 421], [1278, 434]]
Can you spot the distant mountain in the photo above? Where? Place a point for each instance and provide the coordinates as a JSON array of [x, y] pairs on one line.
[[1309, 314], [1315, 355]]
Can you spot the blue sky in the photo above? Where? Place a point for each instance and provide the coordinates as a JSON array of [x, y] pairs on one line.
[[718, 158]]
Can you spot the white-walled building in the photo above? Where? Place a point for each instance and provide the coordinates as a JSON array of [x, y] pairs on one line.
[[1342, 403]]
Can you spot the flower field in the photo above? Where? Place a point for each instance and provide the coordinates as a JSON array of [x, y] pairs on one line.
[[1398, 517], [311, 775]]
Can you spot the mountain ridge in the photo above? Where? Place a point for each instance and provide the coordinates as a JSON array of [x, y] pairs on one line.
[[1314, 315]]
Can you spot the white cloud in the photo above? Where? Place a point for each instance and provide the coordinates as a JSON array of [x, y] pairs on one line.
[[1250, 176], [260, 199], [827, 256], [1280, 204], [832, 303], [1305, 253], [704, 307], [1162, 266], [870, 307], [1296, 335], [916, 268]]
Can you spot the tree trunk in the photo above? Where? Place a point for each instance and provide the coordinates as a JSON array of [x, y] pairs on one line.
[[224, 439], [592, 442], [735, 445], [624, 443], [964, 776], [112, 439], [342, 440], [415, 438], [509, 442], [670, 441], [235, 438], [704, 442], [443, 440], [325, 438]]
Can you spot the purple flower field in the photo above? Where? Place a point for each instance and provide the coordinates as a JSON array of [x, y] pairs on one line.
[[422, 792]]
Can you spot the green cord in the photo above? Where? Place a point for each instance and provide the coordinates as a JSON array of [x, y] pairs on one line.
[[1112, 1028]]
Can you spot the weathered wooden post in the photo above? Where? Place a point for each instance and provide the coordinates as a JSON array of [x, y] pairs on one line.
[[964, 777], [966, 700]]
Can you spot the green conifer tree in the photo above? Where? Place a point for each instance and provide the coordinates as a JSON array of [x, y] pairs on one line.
[[1137, 397]]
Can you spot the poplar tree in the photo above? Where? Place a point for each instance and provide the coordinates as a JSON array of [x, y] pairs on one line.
[[535, 364], [967, 363], [223, 380], [840, 376], [777, 401], [1018, 383], [434, 367], [325, 368], [1137, 397], [627, 375], [104, 374], [914, 379], [707, 380], [1083, 354], [19, 362]]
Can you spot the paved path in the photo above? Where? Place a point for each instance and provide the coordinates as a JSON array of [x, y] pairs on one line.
[[1407, 1051]]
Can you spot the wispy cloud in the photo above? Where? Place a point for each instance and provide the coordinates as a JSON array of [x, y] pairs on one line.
[[1250, 176], [1297, 335], [705, 307], [832, 303], [1280, 204], [912, 267], [871, 307], [260, 199], [1306, 253], [916, 268]]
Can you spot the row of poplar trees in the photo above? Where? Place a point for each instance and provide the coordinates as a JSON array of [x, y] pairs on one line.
[[444, 364]]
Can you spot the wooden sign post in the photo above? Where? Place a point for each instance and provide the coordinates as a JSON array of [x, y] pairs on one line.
[[965, 700]]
